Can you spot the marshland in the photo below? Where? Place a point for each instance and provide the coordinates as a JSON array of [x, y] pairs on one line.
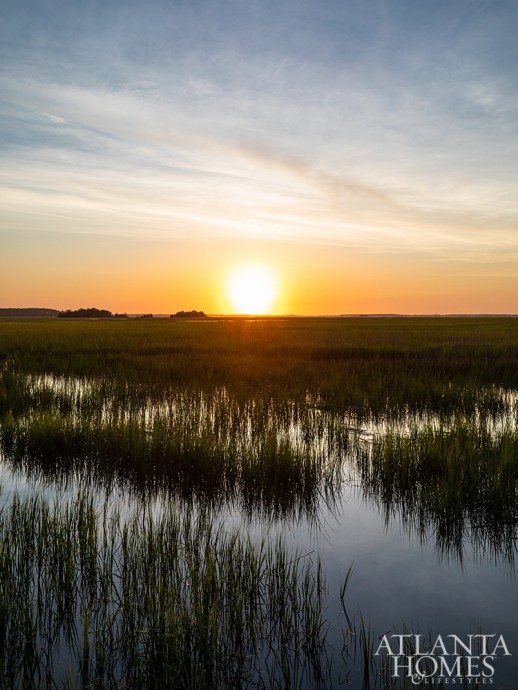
[[253, 503]]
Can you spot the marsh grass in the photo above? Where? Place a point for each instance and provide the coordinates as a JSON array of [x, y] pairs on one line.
[[459, 481], [366, 366], [94, 598], [266, 416], [452, 476], [152, 602], [278, 459]]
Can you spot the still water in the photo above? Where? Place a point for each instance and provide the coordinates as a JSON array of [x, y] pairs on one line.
[[406, 577]]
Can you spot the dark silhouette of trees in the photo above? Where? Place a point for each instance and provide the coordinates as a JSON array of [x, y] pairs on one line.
[[193, 314], [91, 313]]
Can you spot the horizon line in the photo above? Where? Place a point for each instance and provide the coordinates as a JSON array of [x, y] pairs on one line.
[[273, 316]]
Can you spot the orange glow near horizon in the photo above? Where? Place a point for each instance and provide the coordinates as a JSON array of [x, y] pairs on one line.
[[136, 275]]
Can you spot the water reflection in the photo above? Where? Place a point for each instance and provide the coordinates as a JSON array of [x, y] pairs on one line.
[[448, 478], [456, 482], [413, 499]]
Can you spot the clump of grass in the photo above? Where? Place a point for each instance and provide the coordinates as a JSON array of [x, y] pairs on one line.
[[152, 602], [458, 480], [190, 444]]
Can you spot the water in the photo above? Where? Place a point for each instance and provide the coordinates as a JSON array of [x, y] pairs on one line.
[[406, 578]]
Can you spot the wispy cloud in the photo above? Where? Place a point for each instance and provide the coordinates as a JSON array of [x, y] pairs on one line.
[[54, 118], [353, 127]]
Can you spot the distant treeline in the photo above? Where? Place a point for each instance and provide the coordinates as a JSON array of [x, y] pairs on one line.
[[90, 313], [189, 314], [29, 311]]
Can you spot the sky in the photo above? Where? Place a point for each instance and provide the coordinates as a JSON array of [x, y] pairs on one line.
[[365, 152]]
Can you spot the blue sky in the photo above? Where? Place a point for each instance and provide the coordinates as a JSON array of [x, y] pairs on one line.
[[380, 128]]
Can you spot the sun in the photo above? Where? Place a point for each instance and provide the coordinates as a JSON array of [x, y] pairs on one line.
[[252, 289]]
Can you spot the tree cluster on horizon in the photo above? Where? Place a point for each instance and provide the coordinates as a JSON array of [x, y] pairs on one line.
[[189, 314], [90, 313]]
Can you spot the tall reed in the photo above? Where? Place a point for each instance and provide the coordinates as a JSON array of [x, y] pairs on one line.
[[458, 480], [93, 598]]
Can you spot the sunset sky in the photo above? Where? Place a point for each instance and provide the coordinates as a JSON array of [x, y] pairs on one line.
[[365, 152]]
